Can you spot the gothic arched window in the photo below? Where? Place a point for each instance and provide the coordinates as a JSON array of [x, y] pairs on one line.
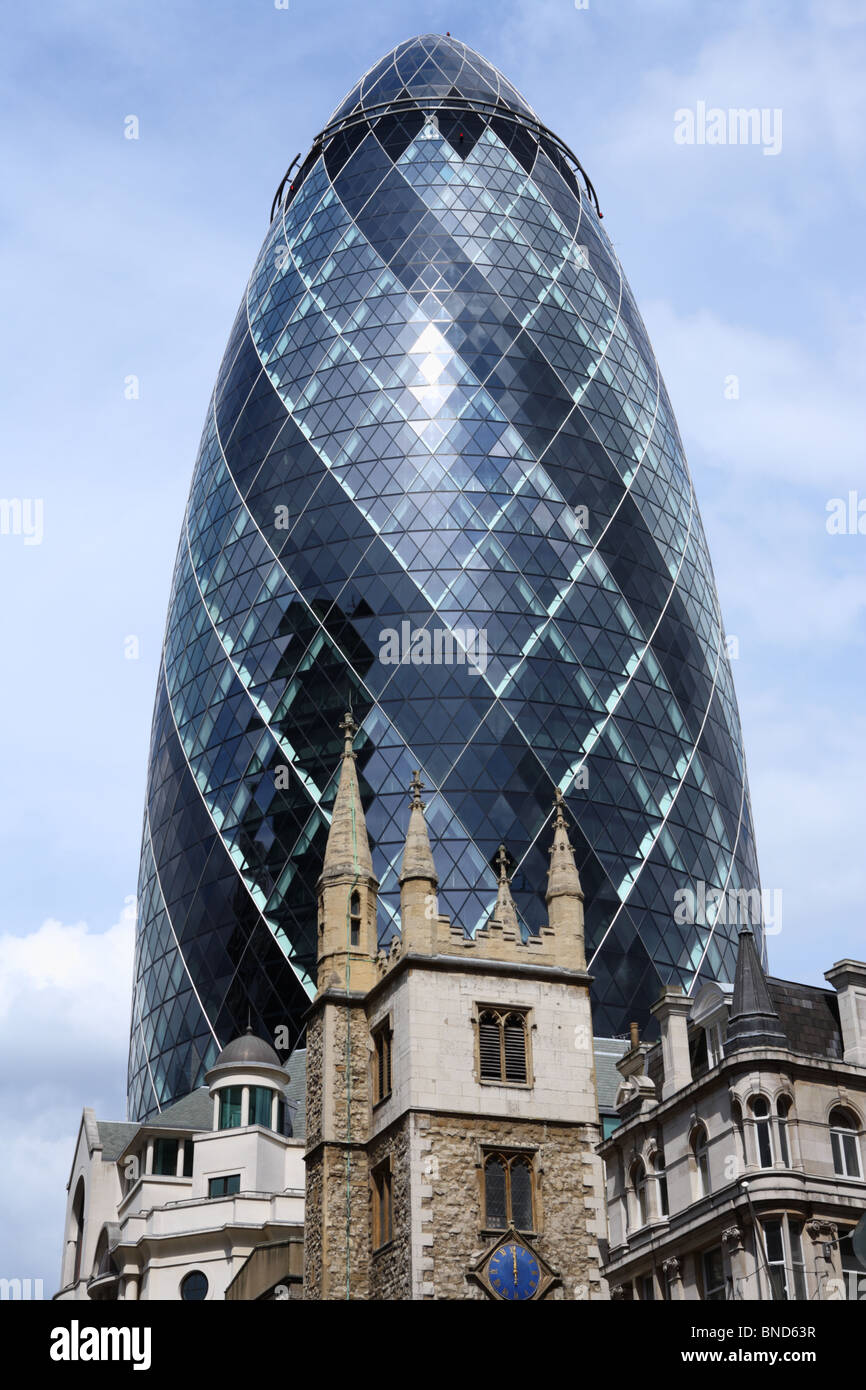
[[509, 1192]]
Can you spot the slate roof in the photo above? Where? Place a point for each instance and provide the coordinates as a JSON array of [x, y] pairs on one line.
[[194, 1111], [607, 1079], [296, 1095], [809, 1016], [114, 1135]]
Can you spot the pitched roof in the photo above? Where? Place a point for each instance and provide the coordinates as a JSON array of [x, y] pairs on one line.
[[607, 1079], [193, 1111], [114, 1135]]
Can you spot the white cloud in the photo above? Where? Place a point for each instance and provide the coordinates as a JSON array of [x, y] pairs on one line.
[[807, 796], [799, 417], [64, 1028]]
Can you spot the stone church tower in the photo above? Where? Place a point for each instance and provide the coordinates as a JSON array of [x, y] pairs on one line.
[[451, 1104]]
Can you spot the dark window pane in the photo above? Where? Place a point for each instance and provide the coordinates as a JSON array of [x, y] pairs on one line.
[[773, 1237], [260, 1106], [765, 1151], [494, 1194], [230, 1107], [165, 1157], [193, 1286], [521, 1195]]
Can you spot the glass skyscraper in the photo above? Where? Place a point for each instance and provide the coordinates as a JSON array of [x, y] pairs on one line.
[[440, 478]]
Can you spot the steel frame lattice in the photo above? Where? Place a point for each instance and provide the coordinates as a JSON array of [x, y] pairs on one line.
[[438, 406]]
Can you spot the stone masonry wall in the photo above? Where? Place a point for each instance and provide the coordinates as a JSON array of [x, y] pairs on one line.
[[337, 1252], [569, 1205], [391, 1267]]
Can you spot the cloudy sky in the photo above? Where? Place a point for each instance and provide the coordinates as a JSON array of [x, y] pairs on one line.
[[128, 258]]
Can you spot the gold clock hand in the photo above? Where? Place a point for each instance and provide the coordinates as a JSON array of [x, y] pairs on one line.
[[514, 1257]]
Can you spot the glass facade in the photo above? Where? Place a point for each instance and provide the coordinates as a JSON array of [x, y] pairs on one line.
[[439, 476]]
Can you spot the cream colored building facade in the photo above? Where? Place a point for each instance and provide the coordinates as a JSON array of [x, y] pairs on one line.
[[175, 1209], [738, 1169]]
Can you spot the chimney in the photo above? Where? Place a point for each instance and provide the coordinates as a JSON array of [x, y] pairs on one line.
[[636, 1091], [672, 1010], [848, 978]]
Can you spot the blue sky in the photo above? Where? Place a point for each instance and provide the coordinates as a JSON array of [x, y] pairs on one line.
[[125, 257]]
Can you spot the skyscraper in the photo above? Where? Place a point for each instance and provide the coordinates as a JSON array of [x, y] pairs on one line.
[[439, 477]]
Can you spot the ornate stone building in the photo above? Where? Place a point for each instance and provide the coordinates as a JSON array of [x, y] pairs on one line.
[[441, 1138], [738, 1169], [195, 1203], [452, 1118]]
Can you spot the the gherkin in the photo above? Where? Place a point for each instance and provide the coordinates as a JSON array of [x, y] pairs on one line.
[[438, 411]]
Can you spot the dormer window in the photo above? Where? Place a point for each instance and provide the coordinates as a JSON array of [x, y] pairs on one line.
[[715, 1045]]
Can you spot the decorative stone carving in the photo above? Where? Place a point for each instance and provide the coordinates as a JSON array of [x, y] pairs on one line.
[[733, 1238]]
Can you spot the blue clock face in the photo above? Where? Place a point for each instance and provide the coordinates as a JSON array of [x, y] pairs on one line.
[[514, 1272]]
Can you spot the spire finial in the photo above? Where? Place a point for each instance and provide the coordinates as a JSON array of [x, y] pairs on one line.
[[505, 913], [417, 860], [502, 861], [349, 728], [559, 809], [416, 786]]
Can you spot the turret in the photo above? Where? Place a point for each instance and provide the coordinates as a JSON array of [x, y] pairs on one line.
[[348, 888], [753, 1021], [564, 894], [419, 908]]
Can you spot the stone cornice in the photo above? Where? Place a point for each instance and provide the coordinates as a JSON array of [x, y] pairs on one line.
[[722, 1075], [480, 965]]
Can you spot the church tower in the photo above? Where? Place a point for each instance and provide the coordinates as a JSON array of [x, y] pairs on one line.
[[336, 1242], [452, 1113]]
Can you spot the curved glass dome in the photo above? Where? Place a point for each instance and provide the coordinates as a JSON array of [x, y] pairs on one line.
[[429, 66], [438, 429]]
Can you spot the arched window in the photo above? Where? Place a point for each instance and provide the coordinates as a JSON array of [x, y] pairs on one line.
[[760, 1109], [355, 920], [783, 1107], [508, 1192], [502, 1050], [701, 1155], [193, 1286], [638, 1182], [661, 1183], [844, 1143]]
